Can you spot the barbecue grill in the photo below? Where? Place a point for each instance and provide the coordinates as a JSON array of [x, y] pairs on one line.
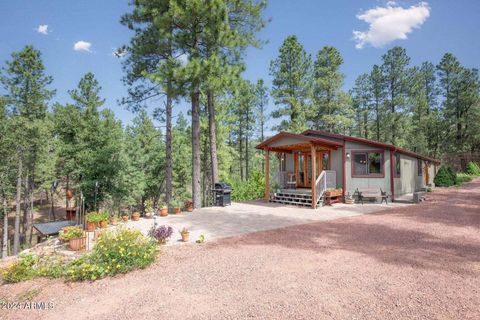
[[222, 194]]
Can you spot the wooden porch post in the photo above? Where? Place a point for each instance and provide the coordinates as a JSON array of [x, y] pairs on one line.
[[314, 176], [267, 174]]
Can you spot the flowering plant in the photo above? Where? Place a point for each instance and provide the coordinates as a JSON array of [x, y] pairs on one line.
[[161, 234]]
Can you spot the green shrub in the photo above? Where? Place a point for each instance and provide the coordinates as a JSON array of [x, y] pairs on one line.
[[472, 169], [51, 267], [445, 177], [20, 270], [463, 177], [251, 189], [117, 251]]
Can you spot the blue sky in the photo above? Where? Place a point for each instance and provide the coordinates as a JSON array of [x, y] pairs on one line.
[[426, 29]]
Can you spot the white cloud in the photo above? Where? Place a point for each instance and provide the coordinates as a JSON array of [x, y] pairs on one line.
[[82, 46], [390, 23], [43, 28]]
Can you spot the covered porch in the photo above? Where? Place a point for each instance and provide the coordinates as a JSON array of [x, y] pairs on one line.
[[303, 171]]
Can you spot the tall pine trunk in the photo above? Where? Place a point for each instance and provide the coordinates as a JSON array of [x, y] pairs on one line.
[[168, 151], [16, 236], [365, 123], [66, 192], [377, 118], [26, 209], [196, 163], [5, 228], [240, 152], [212, 135]]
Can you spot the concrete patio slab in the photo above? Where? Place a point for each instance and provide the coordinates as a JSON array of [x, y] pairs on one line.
[[242, 218]]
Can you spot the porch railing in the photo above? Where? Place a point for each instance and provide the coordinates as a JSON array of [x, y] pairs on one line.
[[327, 179], [331, 178], [321, 185]]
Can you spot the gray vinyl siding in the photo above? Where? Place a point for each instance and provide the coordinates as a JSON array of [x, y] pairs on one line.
[[364, 182], [336, 164], [408, 180]]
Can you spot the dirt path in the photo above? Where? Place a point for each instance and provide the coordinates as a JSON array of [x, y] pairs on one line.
[[415, 262]]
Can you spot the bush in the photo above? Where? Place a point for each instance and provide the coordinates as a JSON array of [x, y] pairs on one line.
[[445, 177], [117, 251], [20, 270], [251, 189], [472, 169], [463, 177]]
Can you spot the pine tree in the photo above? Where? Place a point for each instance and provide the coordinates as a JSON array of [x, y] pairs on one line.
[[377, 93], [361, 103], [25, 81], [153, 52], [292, 74], [395, 75], [331, 107]]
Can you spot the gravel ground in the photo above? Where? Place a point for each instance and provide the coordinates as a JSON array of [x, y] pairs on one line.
[[414, 262]]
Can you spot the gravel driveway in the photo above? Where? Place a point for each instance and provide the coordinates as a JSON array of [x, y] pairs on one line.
[[412, 262]]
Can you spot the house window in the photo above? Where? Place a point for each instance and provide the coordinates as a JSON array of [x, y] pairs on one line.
[[368, 163], [419, 167], [397, 165], [325, 161]]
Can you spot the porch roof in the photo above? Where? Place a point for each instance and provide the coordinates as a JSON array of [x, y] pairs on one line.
[[295, 142]]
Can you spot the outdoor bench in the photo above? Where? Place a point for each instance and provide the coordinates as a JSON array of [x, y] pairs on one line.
[[371, 193]]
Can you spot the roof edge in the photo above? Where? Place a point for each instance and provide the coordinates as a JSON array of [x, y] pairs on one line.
[[371, 142]]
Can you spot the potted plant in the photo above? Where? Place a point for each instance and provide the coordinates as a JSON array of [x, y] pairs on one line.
[[114, 219], [185, 234], [148, 209], [161, 234], [75, 237], [349, 199], [177, 206], [136, 216], [163, 210], [188, 205], [103, 217], [148, 214], [93, 218], [62, 233], [125, 217]]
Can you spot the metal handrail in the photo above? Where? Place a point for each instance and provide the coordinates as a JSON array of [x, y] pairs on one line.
[[320, 185]]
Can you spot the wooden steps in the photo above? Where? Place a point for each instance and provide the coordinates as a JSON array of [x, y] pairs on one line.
[[295, 198]]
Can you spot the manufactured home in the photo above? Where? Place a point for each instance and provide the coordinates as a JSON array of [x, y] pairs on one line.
[[315, 161]]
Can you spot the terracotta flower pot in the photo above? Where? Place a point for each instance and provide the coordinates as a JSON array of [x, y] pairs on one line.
[[91, 226], [177, 210], [163, 212], [103, 224], [125, 218], [76, 244], [135, 216], [185, 236]]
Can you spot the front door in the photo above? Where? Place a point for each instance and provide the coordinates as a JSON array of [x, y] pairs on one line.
[[303, 167]]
